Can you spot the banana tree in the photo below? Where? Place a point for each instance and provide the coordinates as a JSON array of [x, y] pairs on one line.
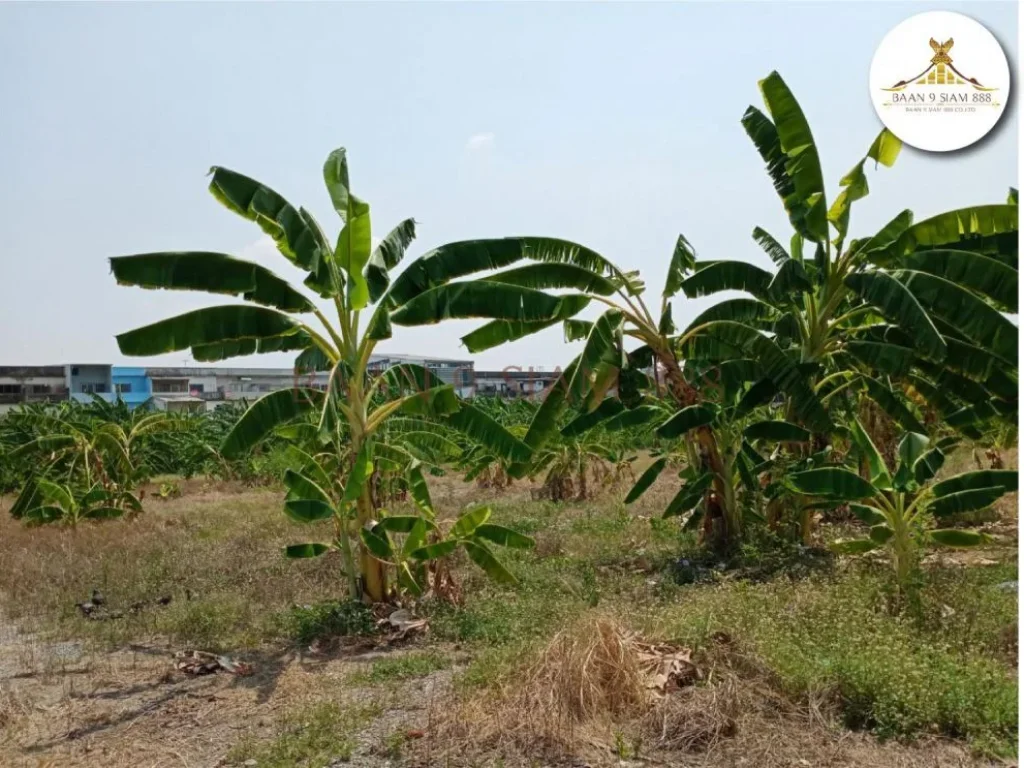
[[43, 501], [123, 444], [659, 351], [915, 308], [900, 501], [356, 283]]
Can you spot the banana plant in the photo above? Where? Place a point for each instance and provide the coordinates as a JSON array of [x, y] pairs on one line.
[[428, 543], [577, 467], [123, 444], [917, 309], [902, 501], [358, 284], [43, 502], [656, 362]]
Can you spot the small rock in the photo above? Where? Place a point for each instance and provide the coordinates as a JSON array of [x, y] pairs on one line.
[[1007, 586], [250, 762]]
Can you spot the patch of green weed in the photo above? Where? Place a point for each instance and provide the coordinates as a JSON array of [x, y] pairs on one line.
[[310, 738], [306, 623], [402, 667], [890, 675]]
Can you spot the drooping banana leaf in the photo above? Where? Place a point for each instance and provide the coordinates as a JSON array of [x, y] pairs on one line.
[[211, 272], [211, 325], [266, 413]]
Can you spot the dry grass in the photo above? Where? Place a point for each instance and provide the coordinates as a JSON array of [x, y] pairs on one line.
[[585, 699], [216, 556], [563, 682]]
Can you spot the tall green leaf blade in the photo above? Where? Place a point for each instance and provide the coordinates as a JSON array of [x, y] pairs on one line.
[[985, 478], [205, 326], [352, 251], [751, 312], [897, 303], [296, 238], [359, 473], [683, 261], [336, 180], [603, 347], [975, 271], [470, 521], [498, 332], [689, 496], [771, 246], [301, 487], [210, 272], [971, 316], [483, 557], [802, 163], [483, 429], [765, 136], [223, 350], [308, 510], [502, 536], [955, 537], [833, 482], [301, 551], [880, 476], [958, 229], [441, 265], [386, 256], [896, 409], [554, 275], [777, 367], [690, 417], [266, 413], [728, 276], [646, 480], [480, 299], [420, 491]]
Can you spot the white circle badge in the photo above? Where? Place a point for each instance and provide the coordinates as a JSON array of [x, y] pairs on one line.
[[940, 81]]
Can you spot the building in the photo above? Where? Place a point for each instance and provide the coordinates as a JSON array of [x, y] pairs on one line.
[[85, 379], [188, 388], [132, 385], [513, 382], [31, 384], [458, 373]]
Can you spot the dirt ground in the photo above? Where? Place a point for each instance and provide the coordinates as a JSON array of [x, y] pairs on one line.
[[64, 706], [71, 703]]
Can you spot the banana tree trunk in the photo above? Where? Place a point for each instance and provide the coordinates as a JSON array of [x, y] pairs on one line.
[[375, 582], [723, 525]]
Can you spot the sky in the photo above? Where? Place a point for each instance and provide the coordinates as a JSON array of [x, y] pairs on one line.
[[613, 125]]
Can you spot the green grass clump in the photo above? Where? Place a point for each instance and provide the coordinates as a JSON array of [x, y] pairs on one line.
[[403, 667], [307, 623], [892, 674], [310, 738]]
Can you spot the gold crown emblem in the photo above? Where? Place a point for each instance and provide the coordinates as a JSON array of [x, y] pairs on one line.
[[940, 71]]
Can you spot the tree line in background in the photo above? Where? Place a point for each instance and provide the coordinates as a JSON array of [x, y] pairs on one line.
[[843, 377]]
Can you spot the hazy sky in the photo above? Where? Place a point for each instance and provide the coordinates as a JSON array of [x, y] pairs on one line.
[[616, 125]]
